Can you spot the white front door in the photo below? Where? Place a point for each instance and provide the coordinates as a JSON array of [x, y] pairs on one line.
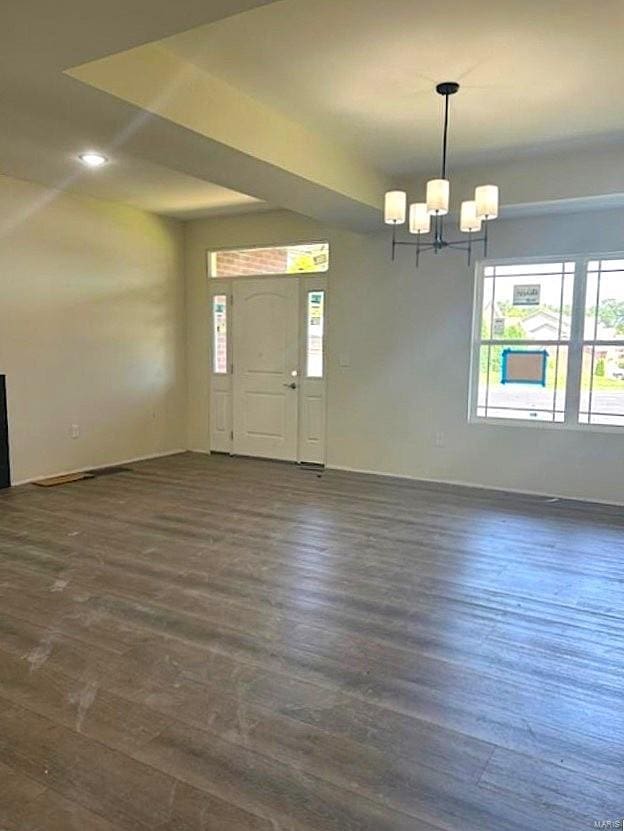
[[266, 362]]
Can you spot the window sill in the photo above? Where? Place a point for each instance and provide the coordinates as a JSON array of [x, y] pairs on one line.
[[546, 425]]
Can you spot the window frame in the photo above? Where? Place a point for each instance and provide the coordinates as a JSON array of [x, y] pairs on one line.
[[307, 292], [575, 343], [209, 252], [227, 307]]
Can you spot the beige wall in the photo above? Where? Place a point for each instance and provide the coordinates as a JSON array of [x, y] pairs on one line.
[[91, 330], [406, 335], [94, 331]]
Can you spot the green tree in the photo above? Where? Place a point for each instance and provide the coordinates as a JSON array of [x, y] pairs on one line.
[[513, 331], [611, 314]]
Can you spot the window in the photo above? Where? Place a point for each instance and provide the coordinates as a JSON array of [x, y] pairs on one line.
[[308, 258], [219, 329], [314, 333], [548, 342], [524, 341], [602, 379]]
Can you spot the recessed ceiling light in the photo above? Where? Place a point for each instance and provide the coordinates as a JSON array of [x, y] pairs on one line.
[[92, 159]]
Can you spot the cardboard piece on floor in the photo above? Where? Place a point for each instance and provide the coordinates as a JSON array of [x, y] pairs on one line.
[[52, 481]]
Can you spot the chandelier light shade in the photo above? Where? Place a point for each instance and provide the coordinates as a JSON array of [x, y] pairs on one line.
[[468, 219], [474, 214], [486, 198], [419, 218], [395, 207], [438, 193]]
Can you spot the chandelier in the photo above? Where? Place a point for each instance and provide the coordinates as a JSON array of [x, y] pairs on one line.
[[474, 215]]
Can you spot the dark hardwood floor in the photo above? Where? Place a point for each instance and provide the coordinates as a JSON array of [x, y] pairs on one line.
[[216, 644]]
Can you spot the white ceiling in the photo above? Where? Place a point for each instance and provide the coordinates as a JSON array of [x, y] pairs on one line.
[[357, 75], [47, 119], [533, 75], [47, 152]]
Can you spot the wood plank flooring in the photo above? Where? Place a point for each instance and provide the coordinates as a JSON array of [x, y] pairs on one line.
[[218, 644]]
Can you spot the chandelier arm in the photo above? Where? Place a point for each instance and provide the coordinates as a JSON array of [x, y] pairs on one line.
[[463, 244], [423, 246], [454, 243]]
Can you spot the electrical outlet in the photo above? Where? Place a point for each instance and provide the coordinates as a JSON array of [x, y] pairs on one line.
[[439, 439], [74, 431]]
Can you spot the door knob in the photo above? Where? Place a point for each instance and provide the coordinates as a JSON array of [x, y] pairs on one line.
[[292, 385]]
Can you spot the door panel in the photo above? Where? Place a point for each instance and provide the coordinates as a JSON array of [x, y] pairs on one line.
[[266, 346], [313, 418], [221, 411]]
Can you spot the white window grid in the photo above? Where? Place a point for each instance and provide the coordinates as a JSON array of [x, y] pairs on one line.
[[575, 344]]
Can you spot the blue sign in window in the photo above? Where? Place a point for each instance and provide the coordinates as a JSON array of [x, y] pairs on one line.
[[524, 366]]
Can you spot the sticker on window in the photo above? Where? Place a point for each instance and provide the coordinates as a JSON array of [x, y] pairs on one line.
[[498, 329], [522, 366], [526, 295]]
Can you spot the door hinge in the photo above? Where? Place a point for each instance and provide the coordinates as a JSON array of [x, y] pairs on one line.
[[232, 434]]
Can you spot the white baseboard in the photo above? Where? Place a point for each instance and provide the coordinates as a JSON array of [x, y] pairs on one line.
[[346, 469], [476, 485], [159, 455]]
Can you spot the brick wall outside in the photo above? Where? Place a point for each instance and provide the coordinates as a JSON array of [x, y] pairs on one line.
[[252, 261]]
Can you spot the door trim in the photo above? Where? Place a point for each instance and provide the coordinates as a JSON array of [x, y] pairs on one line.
[[220, 386]]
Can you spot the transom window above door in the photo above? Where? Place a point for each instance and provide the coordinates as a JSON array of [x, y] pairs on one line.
[[304, 258]]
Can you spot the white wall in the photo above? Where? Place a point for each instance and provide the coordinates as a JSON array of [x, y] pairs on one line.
[[91, 330], [94, 332], [406, 334], [582, 172]]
